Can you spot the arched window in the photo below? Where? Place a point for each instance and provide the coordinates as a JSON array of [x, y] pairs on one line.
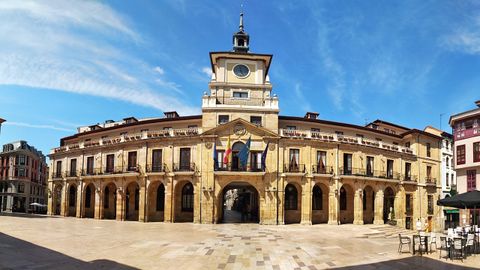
[[88, 197], [343, 199], [187, 198], [291, 197], [72, 196], [317, 202], [160, 198], [105, 198]]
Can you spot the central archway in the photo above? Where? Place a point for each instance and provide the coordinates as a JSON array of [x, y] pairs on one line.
[[240, 203]]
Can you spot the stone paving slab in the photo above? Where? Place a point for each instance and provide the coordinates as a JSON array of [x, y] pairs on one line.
[[71, 243]]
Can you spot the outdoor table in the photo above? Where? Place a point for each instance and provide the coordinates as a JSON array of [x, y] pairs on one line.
[[426, 242]]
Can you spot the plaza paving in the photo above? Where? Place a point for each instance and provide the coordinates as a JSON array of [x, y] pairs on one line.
[[41, 242]]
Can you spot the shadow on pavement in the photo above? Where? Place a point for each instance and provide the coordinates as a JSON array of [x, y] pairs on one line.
[[410, 263], [19, 254], [25, 215]]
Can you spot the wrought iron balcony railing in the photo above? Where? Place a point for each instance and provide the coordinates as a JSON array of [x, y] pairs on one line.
[[322, 169], [221, 167], [294, 168], [184, 167], [156, 168]]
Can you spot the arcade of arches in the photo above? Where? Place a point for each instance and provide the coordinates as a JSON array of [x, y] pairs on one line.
[[312, 202]]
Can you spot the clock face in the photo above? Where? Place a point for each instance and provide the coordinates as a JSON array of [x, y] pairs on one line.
[[241, 70]]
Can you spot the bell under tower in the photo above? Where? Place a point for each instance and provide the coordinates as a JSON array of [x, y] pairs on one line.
[[241, 39]]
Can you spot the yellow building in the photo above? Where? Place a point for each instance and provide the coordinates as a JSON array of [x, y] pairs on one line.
[[296, 170]]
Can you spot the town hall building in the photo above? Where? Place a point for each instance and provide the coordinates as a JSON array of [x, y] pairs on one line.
[[240, 160]]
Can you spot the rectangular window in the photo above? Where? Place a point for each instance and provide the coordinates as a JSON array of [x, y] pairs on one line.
[[408, 171], [223, 119], [347, 164], [370, 166], [447, 180], [157, 160], [73, 167], [429, 173], [255, 161], [429, 148], [238, 94], [476, 152], [21, 160], [408, 204], [430, 204], [219, 162], [185, 159], [471, 180], [321, 162], [132, 161], [460, 154], [110, 163], [389, 168], [291, 128], [315, 129], [58, 169], [256, 120], [22, 172], [90, 165], [21, 188], [294, 157]]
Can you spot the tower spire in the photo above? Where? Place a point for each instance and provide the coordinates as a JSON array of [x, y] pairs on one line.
[[241, 39]]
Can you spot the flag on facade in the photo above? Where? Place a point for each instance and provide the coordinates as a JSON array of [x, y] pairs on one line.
[[215, 156], [264, 157], [243, 154], [228, 153]]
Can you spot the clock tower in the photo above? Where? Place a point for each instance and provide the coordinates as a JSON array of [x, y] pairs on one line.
[[240, 87]]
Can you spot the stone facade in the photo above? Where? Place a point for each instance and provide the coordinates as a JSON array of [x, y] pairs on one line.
[[314, 171]]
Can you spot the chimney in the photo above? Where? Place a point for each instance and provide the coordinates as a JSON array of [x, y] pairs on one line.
[[173, 114], [311, 115], [477, 103]]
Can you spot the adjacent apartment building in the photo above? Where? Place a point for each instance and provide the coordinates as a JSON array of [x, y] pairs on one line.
[[283, 169], [23, 178], [466, 134]]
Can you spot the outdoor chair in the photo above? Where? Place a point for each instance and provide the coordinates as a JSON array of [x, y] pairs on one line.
[[470, 244], [457, 248], [404, 240], [444, 245], [421, 242], [432, 241], [450, 232]]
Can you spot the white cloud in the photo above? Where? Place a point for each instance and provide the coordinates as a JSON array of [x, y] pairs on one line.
[[207, 71], [20, 124], [159, 70], [302, 101], [76, 47]]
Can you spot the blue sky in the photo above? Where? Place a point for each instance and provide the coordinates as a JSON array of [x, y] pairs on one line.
[[69, 63]]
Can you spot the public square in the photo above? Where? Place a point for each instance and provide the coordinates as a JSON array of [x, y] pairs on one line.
[[42, 242]]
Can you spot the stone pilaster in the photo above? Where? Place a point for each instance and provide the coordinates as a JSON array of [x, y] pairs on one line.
[[142, 202], [169, 200], [120, 215], [79, 200], [307, 201], [378, 219], [358, 207], [63, 201], [50, 209], [98, 203], [333, 203]]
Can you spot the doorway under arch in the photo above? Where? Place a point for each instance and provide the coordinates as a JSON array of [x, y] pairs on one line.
[[110, 201], [388, 205], [293, 203], [89, 201], [346, 204], [57, 199], [319, 204], [72, 200], [132, 201], [368, 204], [240, 203]]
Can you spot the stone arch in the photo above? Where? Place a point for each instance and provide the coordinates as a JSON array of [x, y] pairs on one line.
[[320, 194], [57, 199], [72, 200], [156, 201], [368, 204], [184, 201], [292, 203], [89, 200], [239, 202], [109, 201], [388, 204], [346, 199], [132, 201]]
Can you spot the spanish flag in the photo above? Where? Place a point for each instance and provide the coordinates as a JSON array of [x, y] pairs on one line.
[[228, 153]]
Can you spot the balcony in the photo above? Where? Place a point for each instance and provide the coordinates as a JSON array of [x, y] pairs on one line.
[[294, 168], [220, 167], [72, 173], [57, 175], [431, 180], [156, 168], [184, 167], [215, 102], [321, 169], [368, 173], [410, 178], [333, 137]]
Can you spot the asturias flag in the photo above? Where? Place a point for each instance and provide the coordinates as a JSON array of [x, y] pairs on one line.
[[228, 153], [264, 157], [243, 154]]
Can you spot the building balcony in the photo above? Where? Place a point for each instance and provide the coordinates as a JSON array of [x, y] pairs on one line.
[[228, 102], [111, 170], [409, 178], [57, 175], [294, 168], [156, 168], [368, 173], [220, 167], [333, 137], [431, 180], [72, 173], [184, 167], [322, 169]]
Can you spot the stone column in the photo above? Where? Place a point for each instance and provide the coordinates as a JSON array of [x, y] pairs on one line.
[[333, 202], [169, 200], [98, 203], [120, 214], [378, 219], [78, 205], [280, 202], [142, 200], [306, 213], [50, 199], [196, 198], [358, 207], [63, 202]]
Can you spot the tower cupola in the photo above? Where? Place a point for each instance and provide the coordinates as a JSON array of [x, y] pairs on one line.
[[241, 39]]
